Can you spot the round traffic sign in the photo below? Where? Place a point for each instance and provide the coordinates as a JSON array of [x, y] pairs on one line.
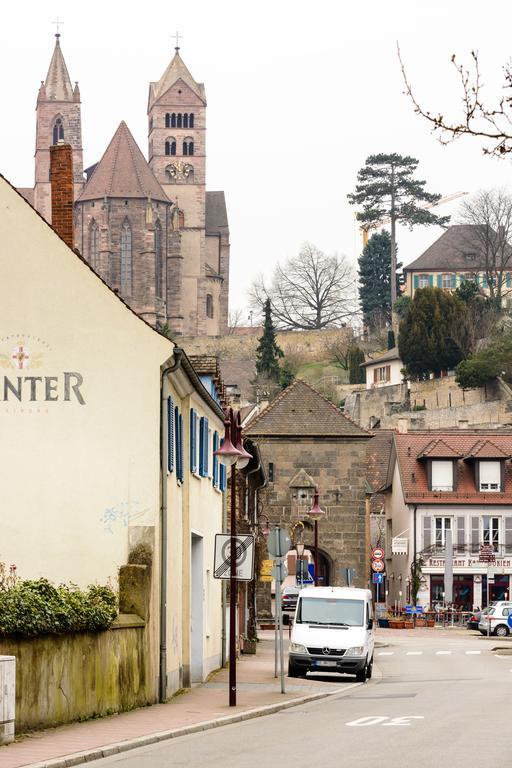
[[378, 553], [278, 542], [509, 620], [378, 566]]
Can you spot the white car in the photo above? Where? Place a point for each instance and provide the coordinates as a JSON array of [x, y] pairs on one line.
[[332, 632], [494, 620]]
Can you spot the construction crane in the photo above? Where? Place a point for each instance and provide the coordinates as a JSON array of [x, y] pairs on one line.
[[446, 199]]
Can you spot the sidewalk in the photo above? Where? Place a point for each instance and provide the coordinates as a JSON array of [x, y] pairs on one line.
[[204, 706]]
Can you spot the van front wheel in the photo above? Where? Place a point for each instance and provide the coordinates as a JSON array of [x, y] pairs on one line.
[[362, 675]]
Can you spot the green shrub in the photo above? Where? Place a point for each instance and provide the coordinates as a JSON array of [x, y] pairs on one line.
[[476, 371], [32, 608]]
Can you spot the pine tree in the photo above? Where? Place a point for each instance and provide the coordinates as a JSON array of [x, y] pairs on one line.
[[375, 280], [427, 338], [386, 189], [268, 352]]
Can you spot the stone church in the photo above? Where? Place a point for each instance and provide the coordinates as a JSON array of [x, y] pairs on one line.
[[148, 228]]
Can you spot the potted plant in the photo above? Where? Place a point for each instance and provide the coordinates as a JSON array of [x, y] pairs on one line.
[[409, 621], [248, 644], [384, 620], [420, 620]]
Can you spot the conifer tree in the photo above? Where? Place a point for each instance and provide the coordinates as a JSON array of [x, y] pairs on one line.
[[386, 189], [427, 338], [356, 374], [268, 352], [375, 280]]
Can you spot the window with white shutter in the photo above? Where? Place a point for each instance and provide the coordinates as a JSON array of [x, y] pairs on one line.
[[442, 475], [490, 476]]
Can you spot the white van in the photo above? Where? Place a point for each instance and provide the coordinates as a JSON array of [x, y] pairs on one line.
[[332, 632]]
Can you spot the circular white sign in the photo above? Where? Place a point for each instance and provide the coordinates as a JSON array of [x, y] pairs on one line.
[[378, 566]]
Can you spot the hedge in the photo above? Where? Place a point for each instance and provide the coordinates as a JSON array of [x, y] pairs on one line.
[[31, 608]]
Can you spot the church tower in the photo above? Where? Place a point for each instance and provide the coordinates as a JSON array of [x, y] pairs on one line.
[[58, 118], [177, 157]]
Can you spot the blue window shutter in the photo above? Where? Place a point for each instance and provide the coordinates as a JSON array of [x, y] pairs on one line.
[[201, 446], [415, 281], [170, 435], [454, 280], [181, 447], [177, 441], [206, 460], [431, 281], [222, 469], [215, 461], [439, 281], [193, 447]]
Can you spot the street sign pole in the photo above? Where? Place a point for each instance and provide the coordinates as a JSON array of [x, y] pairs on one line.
[[232, 595]]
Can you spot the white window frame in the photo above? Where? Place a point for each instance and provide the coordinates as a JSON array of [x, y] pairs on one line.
[[445, 277], [437, 486], [489, 485], [423, 281]]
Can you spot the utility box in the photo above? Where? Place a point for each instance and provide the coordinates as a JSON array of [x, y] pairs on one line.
[[7, 698]]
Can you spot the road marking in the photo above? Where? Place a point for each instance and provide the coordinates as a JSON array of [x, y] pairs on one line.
[[442, 653], [385, 653], [473, 653], [414, 653], [381, 720]]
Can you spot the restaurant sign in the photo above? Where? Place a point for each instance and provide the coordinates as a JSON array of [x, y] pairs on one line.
[[468, 562]]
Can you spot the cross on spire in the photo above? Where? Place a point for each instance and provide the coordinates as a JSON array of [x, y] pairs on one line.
[[177, 36], [57, 23]]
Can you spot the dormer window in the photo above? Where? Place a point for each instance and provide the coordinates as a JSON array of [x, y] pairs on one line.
[[489, 476], [441, 475]]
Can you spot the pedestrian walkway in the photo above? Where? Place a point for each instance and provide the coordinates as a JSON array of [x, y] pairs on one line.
[[205, 704]]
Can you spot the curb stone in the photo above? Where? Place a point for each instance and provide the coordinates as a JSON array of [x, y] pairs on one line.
[[78, 758]]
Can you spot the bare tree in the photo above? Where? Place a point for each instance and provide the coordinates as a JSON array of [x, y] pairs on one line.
[[489, 213], [310, 291], [234, 320], [338, 349], [492, 124]]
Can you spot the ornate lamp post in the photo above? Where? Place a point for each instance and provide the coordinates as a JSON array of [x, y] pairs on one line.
[[228, 454], [316, 513]]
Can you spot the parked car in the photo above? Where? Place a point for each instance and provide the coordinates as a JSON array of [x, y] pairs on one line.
[[494, 620], [474, 619], [289, 597]]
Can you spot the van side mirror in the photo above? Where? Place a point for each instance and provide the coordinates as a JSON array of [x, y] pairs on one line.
[[370, 623]]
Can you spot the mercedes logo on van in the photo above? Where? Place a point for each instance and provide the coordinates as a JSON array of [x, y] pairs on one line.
[[326, 651]]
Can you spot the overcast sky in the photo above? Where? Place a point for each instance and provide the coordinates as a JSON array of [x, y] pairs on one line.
[[299, 94]]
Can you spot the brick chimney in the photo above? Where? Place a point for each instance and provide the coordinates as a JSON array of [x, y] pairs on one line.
[[61, 177]]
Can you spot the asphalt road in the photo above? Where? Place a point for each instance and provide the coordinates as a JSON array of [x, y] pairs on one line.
[[435, 700]]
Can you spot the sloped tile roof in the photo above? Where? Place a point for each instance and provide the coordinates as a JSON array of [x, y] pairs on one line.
[[123, 172], [380, 460], [438, 449], [451, 251], [216, 213], [486, 449], [301, 411], [58, 83], [413, 471], [391, 354]]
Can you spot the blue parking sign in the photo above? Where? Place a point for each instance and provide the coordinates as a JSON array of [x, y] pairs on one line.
[[509, 620], [378, 578]]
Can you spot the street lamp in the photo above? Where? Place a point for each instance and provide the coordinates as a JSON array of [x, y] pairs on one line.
[[316, 513], [299, 548], [228, 454]]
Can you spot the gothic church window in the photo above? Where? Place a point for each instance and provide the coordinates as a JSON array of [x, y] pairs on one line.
[[94, 244], [209, 305], [58, 131], [158, 259], [188, 147], [126, 259], [170, 146]]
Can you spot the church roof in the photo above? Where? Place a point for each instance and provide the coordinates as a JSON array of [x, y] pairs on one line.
[[58, 84], [174, 72], [216, 213], [122, 172], [301, 411]]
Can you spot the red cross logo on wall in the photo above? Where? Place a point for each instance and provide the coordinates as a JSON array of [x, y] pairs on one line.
[[21, 356]]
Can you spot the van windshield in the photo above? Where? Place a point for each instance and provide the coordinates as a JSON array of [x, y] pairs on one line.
[[322, 610]]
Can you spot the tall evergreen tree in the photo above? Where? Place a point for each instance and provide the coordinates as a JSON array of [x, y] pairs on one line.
[[386, 189], [375, 278], [427, 338], [356, 374], [268, 352]]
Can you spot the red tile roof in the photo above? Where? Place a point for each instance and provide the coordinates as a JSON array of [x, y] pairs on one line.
[[438, 449], [486, 449], [413, 471]]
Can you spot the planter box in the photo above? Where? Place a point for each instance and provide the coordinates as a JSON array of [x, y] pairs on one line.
[[396, 624], [421, 622], [249, 646], [384, 623], [409, 624], [431, 623]]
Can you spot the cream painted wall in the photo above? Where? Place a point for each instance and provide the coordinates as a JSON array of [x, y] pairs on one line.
[[401, 519], [75, 476], [395, 374]]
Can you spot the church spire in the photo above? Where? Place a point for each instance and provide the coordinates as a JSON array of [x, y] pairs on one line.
[[175, 71], [58, 83]]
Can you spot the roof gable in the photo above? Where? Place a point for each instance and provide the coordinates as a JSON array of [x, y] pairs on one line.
[[486, 449], [175, 71], [301, 411], [122, 172], [451, 251], [438, 449]]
